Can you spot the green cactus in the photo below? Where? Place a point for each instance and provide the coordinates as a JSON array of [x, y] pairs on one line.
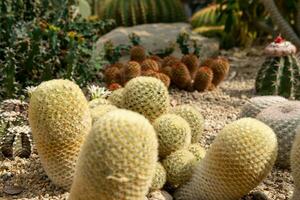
[[147, 96], [283, 118], [280, 73], [160, 177], [198, 151], [173, 133], [118, 159], [256, 104], [193, 117], [133, 12], [179, 166], [295, 165], [117, 97], [60, 119], [241, 156]]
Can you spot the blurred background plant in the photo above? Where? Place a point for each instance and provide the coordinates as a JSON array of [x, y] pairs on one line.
[[42, 40]]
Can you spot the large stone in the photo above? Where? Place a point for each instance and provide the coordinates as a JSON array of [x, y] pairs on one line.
[[156, 37]]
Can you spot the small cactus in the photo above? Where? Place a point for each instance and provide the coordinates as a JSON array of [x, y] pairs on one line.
[[99, 101], [132, 70], [117, 98], [181, 76], [283, 118], [101, 110], [150, 64], [203, 79], [112, 75], [198, 151], [164, 78], [220, 67], [160, 177], [170, 61], [240, 157], [173, 133], [192, 62], [138, 54], [117, 160]]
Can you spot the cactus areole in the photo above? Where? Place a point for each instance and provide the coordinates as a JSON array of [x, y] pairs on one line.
[[280, 73]]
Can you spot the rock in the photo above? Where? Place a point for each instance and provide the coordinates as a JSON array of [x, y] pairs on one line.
[[157, 37], [13, 190], [159, 195]]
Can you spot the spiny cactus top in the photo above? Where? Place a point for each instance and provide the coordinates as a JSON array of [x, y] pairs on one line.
[[60, 119], [118, 159], [241, 156], [280, 73]]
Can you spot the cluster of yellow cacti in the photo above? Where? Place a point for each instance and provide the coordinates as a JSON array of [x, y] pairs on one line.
[[187, 74]]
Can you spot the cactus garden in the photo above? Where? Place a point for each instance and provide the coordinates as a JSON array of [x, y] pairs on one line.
[[149, 100]]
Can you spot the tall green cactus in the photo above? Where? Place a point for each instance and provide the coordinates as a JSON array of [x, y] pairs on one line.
[[133, 12]]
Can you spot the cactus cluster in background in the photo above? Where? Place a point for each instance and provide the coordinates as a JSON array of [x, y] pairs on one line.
[[130, 13], [280, 73]]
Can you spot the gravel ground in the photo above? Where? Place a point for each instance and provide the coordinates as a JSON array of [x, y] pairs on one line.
[[220, 107]]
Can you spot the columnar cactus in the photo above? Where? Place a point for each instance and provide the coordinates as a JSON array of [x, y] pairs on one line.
[[193, 117], [295, 165], [147, 96], [256, 104], [280, 73], [181, 76], [241, 156], [118, 159], [60, 119], [173, 133], [283, 118], [192, 63]]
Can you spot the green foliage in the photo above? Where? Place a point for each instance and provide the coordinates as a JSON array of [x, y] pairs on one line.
[[184, 41], [38, 44], [133, 12]]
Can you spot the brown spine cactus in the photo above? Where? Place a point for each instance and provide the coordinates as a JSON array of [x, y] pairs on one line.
[[167, 71], [181, 76], [170, 61], [203, 79], [138, 54], [220, 67], [132, 70], [164, 78], [114, 86], [112, 75], [192, 63], [158, 59], [149, 64]]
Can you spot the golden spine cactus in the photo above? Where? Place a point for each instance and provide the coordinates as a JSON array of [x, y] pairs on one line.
[[283, 118], [203, 79], [181, 76], [173, 133], [147, 96], [160, 177], [97, 102], [158, 59], [192, 63], [132, 70], [150, 64], [241, 156], [179, 166], [138, 54], [118, 159], [60, 119], [112, 75], [193, 117], [220, 67], [198, 151], [101, 110], [295, 165], [117, 98]]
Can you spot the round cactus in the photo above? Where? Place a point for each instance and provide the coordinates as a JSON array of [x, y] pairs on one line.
[[150, 64], [132, 70], [147, 96], [173, 133], [280, 73], [101, 110], [138, 54], [295, 165], [118, 159], [170, 61], [193, 117], [117, 98], [241, 156], [179, 166], [283, 119], [164, 78], [203, 79], [167, 71], [160, 177], [181, 76], [198, 151], [60, 119], [256, 104], [220, 67], [192, 63], [97, 102], [114, 86], [112, 75]]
